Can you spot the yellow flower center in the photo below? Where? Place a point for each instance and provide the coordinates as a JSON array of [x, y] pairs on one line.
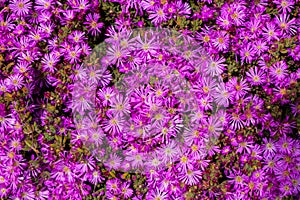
[[93, 24], [256, 78], [221, 40], [184, 159], [283, 4], [160, 12], [20, 5], [206, 38], [239, 179]]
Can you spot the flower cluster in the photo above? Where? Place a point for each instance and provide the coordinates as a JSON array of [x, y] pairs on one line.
[[203, 105]]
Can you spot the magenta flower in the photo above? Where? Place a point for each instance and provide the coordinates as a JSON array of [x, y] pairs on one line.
[[49, 62], [191, 177], [158, 15], [43, 5], [93, 24], [247, 53], [73, 54], [287, 26], [238, 179], [270, 32], [16, 81], [221, 41], [284, 5], [279, 70], [256, 76], [20, 7]]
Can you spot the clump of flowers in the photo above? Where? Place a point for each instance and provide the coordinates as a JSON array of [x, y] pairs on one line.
[[210, 111]]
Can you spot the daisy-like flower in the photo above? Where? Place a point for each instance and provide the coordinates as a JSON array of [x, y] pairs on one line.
[[259, 175], [16, 81], [211, 148], [185, 161], [113, 185], [120, 105], [116, 54], [95, 177], [256, 76], [295, 179], [96, 137], [238, 88], [114, 162], [157, 195], [286, 188], [87, 164], [247, 53], [146, 45], [106, 95], [269, 147], [279, 70], [47, 28], [136, 159], [285, 25], [223, 95], [284, 145], [270, 32], [20, 7], [224, 21], [158, 16], [295, 108], [245, 146], [190, 177], [214, 125], [286, 161], [165, 133], [49, 61], [205, 36], [221, 41], [192, 133], [94, 27], [77, 37], [85, 49], [270, 164], [238, 15], [94, 74], [260, 46], [250, 186], [154, 162], [6, 122], [73, 54], [198, 116], [205, 102], [226, 150], [256, 152], [284, 6], [15, 144], [79, 72], [44, 17], [82, 5], [149, 5], [238, 179], [81, 104], [203, 164], [254, 26], [126, 190], [216, 66], [43, 5], [184, 9], [64, 172], [113, 125]]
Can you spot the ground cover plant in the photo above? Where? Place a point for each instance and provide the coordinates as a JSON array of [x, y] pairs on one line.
[[149, 99]]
